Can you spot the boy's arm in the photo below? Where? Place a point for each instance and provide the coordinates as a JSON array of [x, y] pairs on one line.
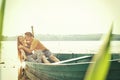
[[25, 48]]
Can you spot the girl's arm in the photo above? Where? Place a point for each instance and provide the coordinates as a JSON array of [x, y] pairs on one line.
[[23, 54]]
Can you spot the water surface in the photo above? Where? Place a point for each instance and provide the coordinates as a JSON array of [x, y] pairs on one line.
[[9, 70]]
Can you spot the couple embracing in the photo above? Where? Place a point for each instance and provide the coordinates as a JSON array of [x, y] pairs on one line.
[[33, 49]]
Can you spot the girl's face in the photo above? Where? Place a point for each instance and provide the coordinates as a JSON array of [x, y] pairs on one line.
[[21, 39]]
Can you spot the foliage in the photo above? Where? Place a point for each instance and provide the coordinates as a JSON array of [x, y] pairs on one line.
[[100, 66], [2, 6], [72, 37]]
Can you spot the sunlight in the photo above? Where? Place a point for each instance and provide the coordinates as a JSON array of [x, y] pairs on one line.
[[56, 17]]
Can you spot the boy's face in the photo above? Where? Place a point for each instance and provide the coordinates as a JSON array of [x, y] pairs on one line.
[[27, 38]]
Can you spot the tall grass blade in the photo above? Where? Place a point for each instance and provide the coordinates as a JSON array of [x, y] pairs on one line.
[[99, 69], [2, 7]]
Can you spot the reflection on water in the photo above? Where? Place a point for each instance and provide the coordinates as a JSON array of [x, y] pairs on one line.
[[9, 70], [8, 73]]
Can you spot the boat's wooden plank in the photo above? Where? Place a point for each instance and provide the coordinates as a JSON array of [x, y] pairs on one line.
[[73, 59], [31, 76]]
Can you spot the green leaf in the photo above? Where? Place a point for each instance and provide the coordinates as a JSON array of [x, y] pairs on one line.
[[2, 7], [100, 66]]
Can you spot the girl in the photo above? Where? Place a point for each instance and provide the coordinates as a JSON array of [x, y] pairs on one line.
[[21, 53]]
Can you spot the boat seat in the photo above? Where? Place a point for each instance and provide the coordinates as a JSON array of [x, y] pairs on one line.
[[73, 59]]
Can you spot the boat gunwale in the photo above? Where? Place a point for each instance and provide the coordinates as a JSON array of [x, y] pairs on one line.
[[114, 60]]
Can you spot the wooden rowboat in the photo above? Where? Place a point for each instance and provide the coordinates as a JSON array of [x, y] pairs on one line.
[[72, 67]]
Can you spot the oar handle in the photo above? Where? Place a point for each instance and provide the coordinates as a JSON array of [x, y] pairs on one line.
[[32, 30]]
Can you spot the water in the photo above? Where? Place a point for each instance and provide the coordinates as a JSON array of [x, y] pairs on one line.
[[9, 70]]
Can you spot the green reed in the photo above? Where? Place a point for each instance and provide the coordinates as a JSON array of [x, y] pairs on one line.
[[99, 69], [2, 8]]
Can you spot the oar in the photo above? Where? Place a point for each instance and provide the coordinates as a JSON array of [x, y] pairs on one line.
[[32, 30], [73, 59]]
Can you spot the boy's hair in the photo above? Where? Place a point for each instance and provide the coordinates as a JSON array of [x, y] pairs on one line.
[[29, 34]]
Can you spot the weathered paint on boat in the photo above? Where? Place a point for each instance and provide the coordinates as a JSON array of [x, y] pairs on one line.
[[74, 70]]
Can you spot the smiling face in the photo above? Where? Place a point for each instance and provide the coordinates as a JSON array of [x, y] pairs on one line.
[[28, 37], [21, 39]]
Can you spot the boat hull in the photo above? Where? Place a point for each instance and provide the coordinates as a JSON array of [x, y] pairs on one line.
[[69, 71]]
